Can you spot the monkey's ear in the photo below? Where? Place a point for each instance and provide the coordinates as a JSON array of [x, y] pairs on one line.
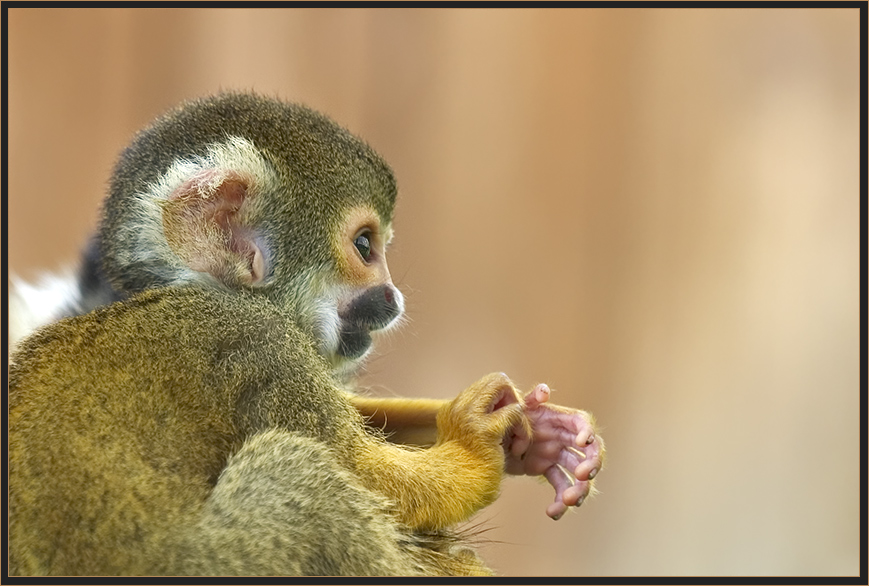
[[206, 221]]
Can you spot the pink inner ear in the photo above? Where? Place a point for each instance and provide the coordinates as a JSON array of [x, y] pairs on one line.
[[203, 222]]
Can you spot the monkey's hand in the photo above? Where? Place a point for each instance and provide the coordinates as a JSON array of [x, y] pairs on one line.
[[563, 446], [481, 415], [478, 420], [462, 472]]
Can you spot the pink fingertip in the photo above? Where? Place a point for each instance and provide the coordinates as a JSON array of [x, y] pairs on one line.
[[573, 496], [555, 511], [586, 470], [537, 396]]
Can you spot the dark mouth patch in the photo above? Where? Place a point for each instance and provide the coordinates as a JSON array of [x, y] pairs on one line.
[[372, 310], [354, 341]]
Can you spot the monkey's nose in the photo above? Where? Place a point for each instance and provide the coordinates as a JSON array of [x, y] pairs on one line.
[[373, 309]]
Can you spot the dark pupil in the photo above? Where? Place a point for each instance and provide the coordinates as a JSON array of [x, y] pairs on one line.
[[363, 246]]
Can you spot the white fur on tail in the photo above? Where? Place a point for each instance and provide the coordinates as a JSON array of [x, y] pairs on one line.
[[32, 306]]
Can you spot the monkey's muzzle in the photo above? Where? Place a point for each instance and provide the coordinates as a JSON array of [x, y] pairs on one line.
[[373, 309]]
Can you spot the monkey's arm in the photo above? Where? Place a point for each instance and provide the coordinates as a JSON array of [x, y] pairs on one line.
[[564, 446], [461, 473], [404, 421]]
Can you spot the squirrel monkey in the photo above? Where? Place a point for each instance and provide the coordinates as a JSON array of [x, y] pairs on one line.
[[201, 424]]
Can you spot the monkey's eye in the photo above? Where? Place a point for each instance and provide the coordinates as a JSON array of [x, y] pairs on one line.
[[363, 245]]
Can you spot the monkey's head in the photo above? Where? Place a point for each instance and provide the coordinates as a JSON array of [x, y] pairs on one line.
[[244, 192]]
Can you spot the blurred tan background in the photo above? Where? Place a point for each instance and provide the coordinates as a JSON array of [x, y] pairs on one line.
[[654, 211]]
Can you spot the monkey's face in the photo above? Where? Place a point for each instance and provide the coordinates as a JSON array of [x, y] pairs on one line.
[[366, 300], [248, 193]]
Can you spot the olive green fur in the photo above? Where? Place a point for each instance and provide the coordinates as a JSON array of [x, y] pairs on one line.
[[227, 460]]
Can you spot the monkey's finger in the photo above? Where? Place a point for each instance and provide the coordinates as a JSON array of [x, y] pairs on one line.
[[537, 396], [556, 510], [555, 417], [582, 475], [592, 451], [588, 469], [575, 495], [577, 421], [562, 436], [570, 459], [561, 482]]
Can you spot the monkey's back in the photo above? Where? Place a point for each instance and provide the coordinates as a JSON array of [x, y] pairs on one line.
[[121, 420]]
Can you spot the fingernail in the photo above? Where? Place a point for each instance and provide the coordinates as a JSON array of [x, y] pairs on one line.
[[592, 474], [557, 517], [579, 502], [590, 439]]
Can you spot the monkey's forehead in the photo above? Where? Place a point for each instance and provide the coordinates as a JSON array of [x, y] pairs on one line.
[[302, 143]]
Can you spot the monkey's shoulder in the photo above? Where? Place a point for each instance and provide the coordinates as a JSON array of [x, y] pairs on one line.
[[199, 304], [164, 326], [202, 354]]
